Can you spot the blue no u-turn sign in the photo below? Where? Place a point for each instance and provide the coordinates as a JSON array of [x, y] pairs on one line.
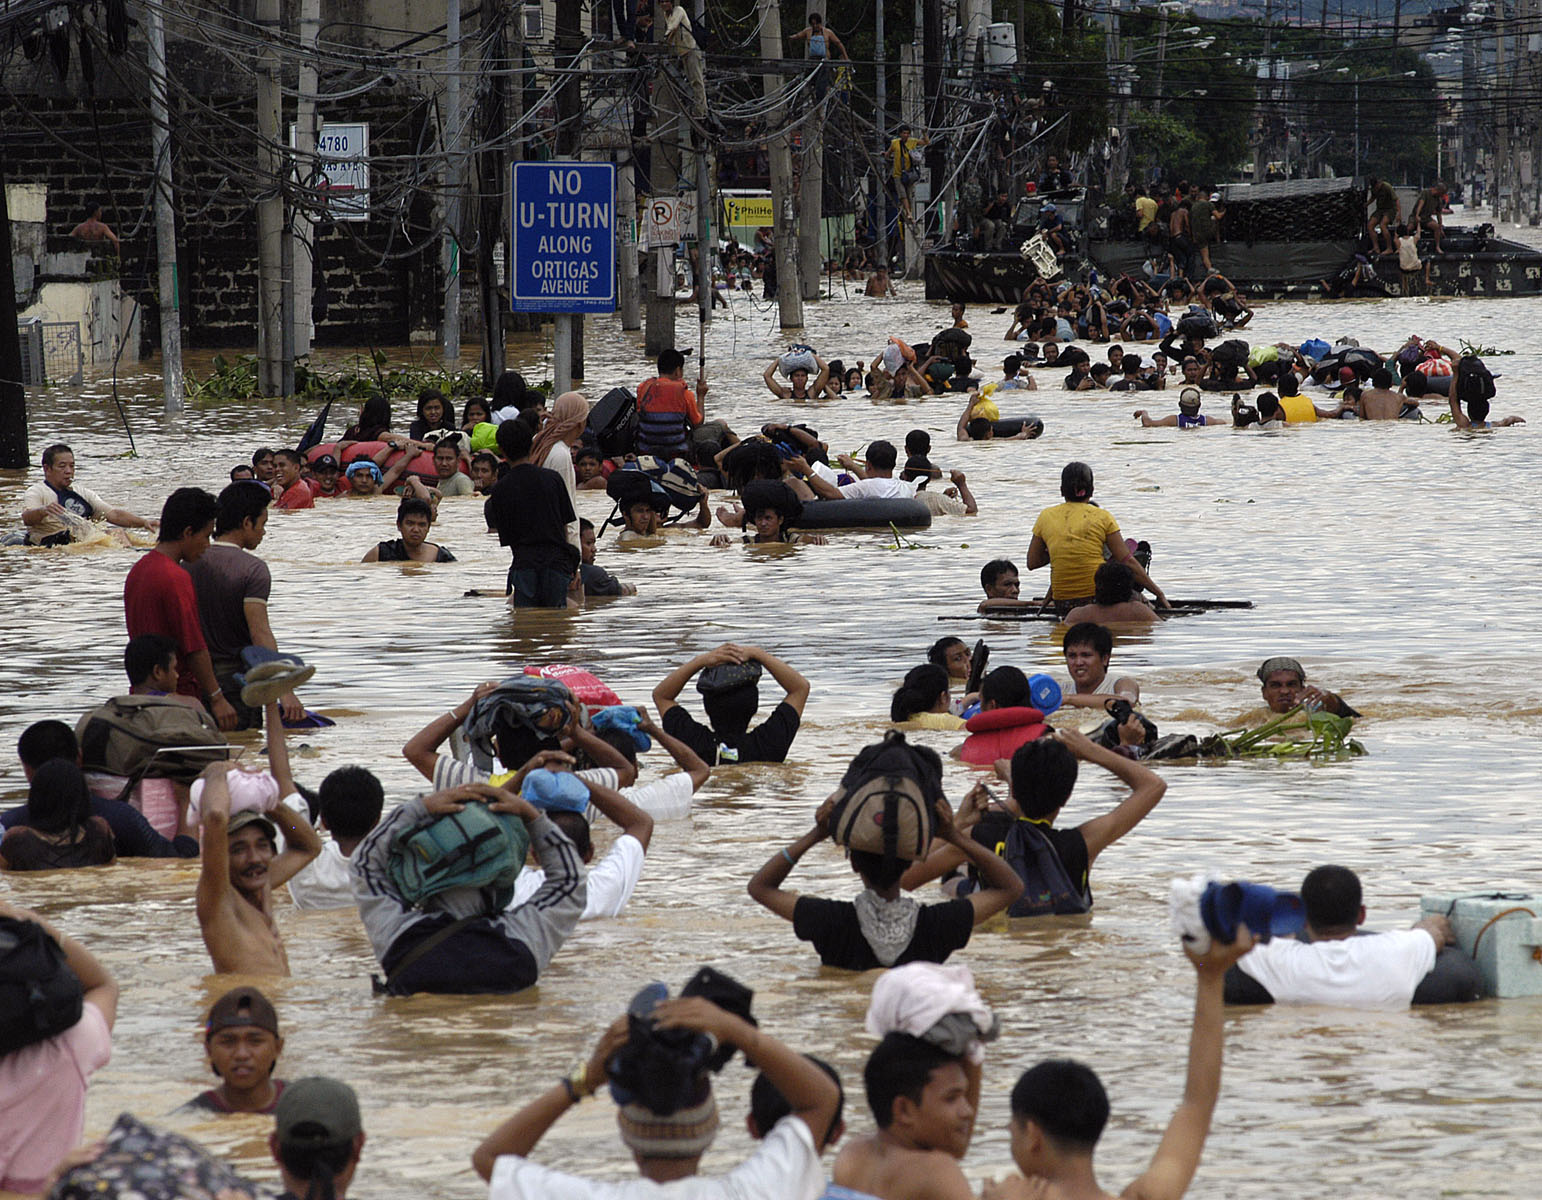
[[564, 237]]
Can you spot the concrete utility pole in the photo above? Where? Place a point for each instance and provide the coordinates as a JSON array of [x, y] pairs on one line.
[[449, 249], [1264, 118], [568, 360], [880, 102], [812, 189], [270, 208], [165, 216], [705, 251], [626, 214], [13, 397], [789, 296], [307, 128], [498, 115], [663, 178], [931, 81]]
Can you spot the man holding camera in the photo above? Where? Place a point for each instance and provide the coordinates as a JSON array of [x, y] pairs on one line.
[[669, 1146]]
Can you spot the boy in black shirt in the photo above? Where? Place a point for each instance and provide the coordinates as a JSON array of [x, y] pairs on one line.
[[881, 928], [530, 509], [729, 738]]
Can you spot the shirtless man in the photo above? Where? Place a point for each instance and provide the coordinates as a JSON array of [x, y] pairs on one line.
[[94, 229], [1114, 600], [242, 866], [924, 1103], [1382, 402], [1059, 1109]]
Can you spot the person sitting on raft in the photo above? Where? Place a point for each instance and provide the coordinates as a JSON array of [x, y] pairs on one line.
[[1284, 687], [924, 700], [1070, 538], [1188, 415], [434, 415], [374, 425], [882, 928], [731, 704], [667, 410], [798, 377], [413, 518], [1115, 600], [773, 510]]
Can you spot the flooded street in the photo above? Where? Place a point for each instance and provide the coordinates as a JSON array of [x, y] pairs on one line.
[[1390, 558]]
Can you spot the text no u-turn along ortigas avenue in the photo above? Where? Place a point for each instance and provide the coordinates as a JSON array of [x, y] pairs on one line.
[[563, 237]]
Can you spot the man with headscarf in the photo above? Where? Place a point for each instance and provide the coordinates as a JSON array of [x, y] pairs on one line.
[[668, 1147], [1284, 687]]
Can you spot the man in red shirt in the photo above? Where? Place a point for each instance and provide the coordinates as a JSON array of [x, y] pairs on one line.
[[158, 596], [292, 491]]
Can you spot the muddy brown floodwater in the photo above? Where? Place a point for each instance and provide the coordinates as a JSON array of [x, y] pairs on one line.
[[1395, 560]]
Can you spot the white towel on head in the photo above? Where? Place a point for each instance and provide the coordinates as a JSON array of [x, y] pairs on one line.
[[915, 997]]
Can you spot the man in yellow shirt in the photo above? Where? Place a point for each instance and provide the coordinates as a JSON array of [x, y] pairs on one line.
[[1070, 538], [1145, 208], [903, 167]]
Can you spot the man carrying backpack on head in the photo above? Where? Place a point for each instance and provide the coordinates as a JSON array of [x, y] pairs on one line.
[[461, 940], [1474, 387], [1053, 863], [888, 786]]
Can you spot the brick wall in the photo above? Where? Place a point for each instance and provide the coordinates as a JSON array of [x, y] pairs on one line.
[[378, 280]]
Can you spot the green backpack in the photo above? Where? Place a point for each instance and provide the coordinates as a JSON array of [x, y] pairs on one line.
[[473, 848]]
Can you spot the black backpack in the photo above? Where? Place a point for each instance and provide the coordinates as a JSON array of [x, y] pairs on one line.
[[613, 422], [40, 995], [1233, 352], [1473, 380], [1198, 323], [1048, 888], [888, 800]]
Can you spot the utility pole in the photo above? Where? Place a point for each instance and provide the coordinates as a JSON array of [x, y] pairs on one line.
[[500, 52], [568, 352], [880, 104], [812, 186], [13, 397], [931, 80], [789, 295], [306, 131], [704, 158], [626, 206], [1265, 93], [663, 179], [270, 208], [450, 210], [165, 217]]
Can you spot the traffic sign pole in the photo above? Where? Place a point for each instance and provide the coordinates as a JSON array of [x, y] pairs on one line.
[[562, 355]]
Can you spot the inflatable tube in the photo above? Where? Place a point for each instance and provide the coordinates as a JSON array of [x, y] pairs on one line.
[[1012, 426], [422, 464], [1455, 978], [590, 689], [865, 514]]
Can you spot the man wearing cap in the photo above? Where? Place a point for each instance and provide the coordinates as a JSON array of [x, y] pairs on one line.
[[1284, 687], [327, 482], [242, 865], [317, 1138], [1188, 415], [232, 586], [668, 1147], [242, 1041]]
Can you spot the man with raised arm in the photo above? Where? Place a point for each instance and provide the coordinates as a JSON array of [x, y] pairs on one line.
[[242, 865], [1059, 1109]]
